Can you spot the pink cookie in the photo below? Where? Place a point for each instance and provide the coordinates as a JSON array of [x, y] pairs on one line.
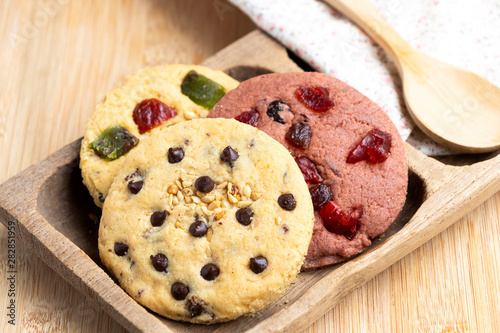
[[321, 121]]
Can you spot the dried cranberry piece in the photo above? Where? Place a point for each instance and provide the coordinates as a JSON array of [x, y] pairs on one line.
[[309, 170], [249, 117], [337, 221], [299, 135], [315, 98], [374, 148], [151, 113], [320, 195]]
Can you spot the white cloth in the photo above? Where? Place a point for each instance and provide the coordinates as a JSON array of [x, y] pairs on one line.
[[464, 33]]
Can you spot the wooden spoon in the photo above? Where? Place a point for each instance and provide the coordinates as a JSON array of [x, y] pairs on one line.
[[452, 106]]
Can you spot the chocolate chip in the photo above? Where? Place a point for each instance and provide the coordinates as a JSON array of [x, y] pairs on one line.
[[121, 249], [229, 155], [135, 187], [101, 198], [160, 262], [244, 216], [299, 135], [258, 264], [285, 228], [179, 291], [274, 107], [198, 229], [157, 218], [204, 184], [195, 306], [133, 175], [287, 201], [209, 272], [320, 195], [175, 155]]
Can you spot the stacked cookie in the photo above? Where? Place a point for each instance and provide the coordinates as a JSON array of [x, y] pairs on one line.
[[206, 220], [156, 96], [349, 151]]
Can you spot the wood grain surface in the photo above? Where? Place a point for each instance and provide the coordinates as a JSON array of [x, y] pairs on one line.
[[59, 57]]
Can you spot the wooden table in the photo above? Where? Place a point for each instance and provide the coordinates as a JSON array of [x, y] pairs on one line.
[[59, 58]]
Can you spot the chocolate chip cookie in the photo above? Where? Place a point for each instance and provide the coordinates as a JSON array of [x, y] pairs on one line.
[[207, 220]]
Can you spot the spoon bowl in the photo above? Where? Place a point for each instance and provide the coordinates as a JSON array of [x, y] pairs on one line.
[[452, 106]]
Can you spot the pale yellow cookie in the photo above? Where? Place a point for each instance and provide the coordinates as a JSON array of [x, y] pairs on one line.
[[116, 109], [207, 220]]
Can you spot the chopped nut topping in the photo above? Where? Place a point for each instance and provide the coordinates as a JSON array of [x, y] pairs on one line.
[[221, 185], [208, 198], [231, 198], [255, 196], [187, 192], [205, 211], [219, 215], [172, 189], [189, 115], [214, 205], [246, 191], [243, 204]]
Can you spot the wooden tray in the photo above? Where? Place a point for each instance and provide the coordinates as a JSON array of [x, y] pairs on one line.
[[56, 218]]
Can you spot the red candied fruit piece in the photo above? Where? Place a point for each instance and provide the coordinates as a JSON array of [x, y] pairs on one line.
[[151, 113], [374, 148], [339, 222], [309, 170], [249, 117], [315, 98]]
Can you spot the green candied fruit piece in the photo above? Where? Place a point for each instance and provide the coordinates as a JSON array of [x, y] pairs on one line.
[[201, 90], [114, 142]]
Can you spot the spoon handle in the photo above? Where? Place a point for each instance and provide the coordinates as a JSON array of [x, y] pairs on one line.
[[365, 15]]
